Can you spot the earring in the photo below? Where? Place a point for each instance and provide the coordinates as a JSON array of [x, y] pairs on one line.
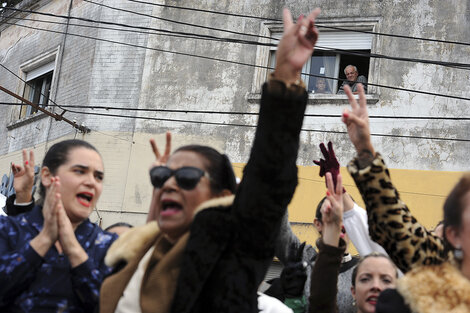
[[458, 253], [354, 302]]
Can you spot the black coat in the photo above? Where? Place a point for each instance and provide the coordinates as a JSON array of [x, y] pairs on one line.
[[230, 248], [13, 210]]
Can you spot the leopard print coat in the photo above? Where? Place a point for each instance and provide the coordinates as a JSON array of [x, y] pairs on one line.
[[391, 224]]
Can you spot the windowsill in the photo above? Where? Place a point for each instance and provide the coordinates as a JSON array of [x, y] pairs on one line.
[[314, 99], [26, 120]]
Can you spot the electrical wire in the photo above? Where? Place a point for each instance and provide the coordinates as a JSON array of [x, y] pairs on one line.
[[152, 30], [319, 25], [31, 86], [237, 62], [254, 126], [457, 65], [177, 22], [185, 111], [342, 51]]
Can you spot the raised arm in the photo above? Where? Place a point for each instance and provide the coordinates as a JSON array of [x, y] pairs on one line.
[[270, 176], [22, 201], [355, 223], [324, 280], [390, 221], [160, 159]]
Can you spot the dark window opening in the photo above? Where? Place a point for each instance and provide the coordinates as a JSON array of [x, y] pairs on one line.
[[361, 62]]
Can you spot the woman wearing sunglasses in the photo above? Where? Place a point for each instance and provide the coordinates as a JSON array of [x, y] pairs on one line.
[[52, 257], [210, 245]]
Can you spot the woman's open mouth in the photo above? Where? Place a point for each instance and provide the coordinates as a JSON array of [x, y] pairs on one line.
[[85, 198], [170, 207]]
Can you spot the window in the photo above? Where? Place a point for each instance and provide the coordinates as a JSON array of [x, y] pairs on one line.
[[327, 61], [38, 74], [37, 90]]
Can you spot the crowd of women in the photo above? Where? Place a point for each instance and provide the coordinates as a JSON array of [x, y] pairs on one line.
[[209, 241]]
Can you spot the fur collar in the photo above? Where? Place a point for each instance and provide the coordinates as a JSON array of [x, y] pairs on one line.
[[215, 202], [131, 243], [436, 289]]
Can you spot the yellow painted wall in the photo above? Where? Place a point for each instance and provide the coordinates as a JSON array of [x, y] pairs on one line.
[[423, 191], [127, 190]]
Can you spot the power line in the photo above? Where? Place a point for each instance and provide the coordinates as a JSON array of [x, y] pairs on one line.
[[177, 22], [155, 31], [353, 185], [31, 86], [186, 111], [254, 126], [236, 62], [457, 65], [317, 24], [39, 108], [342, 51]]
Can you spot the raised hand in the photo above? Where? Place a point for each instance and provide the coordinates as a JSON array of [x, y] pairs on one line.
[[296, 45], [330, 163], [24, 178], [357, 121], [332, 211], [160, 160]]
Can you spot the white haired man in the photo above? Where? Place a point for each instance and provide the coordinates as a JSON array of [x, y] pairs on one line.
[[353, 79]]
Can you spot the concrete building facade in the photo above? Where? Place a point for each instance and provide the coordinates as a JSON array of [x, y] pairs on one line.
[[171, 64]]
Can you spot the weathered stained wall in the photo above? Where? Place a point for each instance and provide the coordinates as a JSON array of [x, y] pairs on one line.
[[195, 83]]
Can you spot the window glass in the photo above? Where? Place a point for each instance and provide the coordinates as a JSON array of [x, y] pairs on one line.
[[322, 63], [37, 91], [324, 72]]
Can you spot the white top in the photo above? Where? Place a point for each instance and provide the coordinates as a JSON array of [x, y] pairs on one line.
[[3, 201], [267, 304], [130, 300], [355, 223]]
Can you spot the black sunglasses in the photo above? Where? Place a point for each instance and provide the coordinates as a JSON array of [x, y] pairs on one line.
[[186, 177]]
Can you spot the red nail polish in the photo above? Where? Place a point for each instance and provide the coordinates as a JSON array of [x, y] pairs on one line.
[[327, 193], [345, 114], [26, 162]]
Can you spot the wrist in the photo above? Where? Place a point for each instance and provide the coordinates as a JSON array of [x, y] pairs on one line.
[[76, 256], [365, 148], [41, 243], [23, 197], [365, 157], [331, 234], [288, 78]]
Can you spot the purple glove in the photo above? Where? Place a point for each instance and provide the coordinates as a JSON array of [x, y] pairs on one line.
[[329, 164]]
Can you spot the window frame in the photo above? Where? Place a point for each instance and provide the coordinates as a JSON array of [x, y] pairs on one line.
[[49, 62], [29, 110], [275, 29]]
